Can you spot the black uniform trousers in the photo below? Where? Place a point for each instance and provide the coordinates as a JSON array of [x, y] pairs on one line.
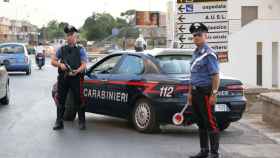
[[204, 116], [66, 83]]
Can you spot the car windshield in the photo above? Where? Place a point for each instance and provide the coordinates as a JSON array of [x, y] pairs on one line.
[[11, 49], [175, 64]]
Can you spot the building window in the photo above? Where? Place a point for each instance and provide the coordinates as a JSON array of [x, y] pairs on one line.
[[248, 14]]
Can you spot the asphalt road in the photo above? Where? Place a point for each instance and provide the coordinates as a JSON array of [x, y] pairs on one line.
[[26, 130]]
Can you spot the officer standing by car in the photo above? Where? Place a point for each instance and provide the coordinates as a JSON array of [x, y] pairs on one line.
[[203, 90], [70, 60]]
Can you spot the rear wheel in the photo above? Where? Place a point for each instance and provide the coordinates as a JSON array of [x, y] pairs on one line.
[[223, 126], [144, 117], [70, 110], [69, 114], [6, 99]]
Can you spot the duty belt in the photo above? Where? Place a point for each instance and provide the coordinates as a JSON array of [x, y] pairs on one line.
[[201, 88]]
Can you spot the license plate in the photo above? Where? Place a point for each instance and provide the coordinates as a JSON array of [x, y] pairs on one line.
[[221, 108], [40, 57]]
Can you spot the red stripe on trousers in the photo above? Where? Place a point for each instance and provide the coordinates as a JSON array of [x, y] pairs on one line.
[[82, 91], [210, 116]]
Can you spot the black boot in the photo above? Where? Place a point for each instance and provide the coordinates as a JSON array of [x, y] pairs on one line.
[[204, 145], [82, 119], [202, 154], [214, 142], [59, 119], [58, 125]]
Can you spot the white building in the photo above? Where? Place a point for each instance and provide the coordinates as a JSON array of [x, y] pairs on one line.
[[254, 42]]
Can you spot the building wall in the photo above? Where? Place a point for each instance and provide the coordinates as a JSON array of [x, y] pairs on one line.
[[243, 41], [171, 16], [267, 9], [243, 51]]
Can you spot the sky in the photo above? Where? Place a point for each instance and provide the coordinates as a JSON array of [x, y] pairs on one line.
[[39, 12]]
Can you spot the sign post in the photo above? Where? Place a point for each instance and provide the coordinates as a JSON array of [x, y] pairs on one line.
[[212, 13]]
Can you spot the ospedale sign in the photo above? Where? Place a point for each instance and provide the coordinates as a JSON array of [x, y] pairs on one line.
[[212, 13]]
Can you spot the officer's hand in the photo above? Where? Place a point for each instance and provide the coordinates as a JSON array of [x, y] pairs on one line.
[[189, 101], [75, 72], [62, 67], [212, 99]]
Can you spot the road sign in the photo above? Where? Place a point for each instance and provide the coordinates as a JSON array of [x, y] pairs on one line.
[[213, 13]]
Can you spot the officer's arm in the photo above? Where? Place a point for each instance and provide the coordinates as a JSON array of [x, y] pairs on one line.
[[82, 68], [84, 59], [213, 68], [215, 82], [55, 58]]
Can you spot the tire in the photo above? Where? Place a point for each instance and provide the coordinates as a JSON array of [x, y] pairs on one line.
[[223, 126], [69, 114], [144, 117], [6, 99], [70, 111]]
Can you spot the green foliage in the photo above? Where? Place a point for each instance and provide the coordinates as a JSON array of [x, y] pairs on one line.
[[54, 29], [99, 26], [96, 27]]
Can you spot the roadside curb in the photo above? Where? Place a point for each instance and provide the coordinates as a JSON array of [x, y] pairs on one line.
[[255, 121]]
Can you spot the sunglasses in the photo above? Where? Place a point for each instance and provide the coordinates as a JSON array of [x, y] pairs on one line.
[[197, 35]]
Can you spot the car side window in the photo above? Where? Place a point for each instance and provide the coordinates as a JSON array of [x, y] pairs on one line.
[[131, 65], [106, 66]]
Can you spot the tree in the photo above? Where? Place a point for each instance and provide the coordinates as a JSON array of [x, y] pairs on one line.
[[54, 29], [98, 26]]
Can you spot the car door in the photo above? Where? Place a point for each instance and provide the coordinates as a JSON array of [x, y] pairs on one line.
[[124, 81], [95, 84]]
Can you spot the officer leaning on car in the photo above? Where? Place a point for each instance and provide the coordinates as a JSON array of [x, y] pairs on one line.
[[70, 60], [203, 90]]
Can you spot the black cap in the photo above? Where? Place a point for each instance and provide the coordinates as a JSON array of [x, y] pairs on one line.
[[198, 28], [70, 29]]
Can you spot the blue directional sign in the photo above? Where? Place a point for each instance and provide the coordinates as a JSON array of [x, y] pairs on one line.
[[189, 8]]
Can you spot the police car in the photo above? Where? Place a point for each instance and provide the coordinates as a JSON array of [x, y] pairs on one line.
[[149, 88]]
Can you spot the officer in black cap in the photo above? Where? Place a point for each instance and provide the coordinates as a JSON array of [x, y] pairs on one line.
[[70, 60], [204, 85]]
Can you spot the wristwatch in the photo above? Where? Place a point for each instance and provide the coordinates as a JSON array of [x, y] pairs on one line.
[[214, 92]]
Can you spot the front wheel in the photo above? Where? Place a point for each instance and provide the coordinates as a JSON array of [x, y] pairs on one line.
[[144, 117]]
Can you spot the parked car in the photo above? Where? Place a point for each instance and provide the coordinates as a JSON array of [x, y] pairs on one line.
[[18, 57], [4, 83], [149, 88]]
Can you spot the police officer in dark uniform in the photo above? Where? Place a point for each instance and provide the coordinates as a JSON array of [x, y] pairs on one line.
[[203, 90], [70, 60]]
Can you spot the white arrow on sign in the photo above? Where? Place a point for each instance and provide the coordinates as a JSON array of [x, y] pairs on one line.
[[212, 37], [203, 7], [218, 47], [212, 27], [182, 29], [206, 17], [181, 8], [181, 18]]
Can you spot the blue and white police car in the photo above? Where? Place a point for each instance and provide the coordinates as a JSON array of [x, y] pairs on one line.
[[149, 88]]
